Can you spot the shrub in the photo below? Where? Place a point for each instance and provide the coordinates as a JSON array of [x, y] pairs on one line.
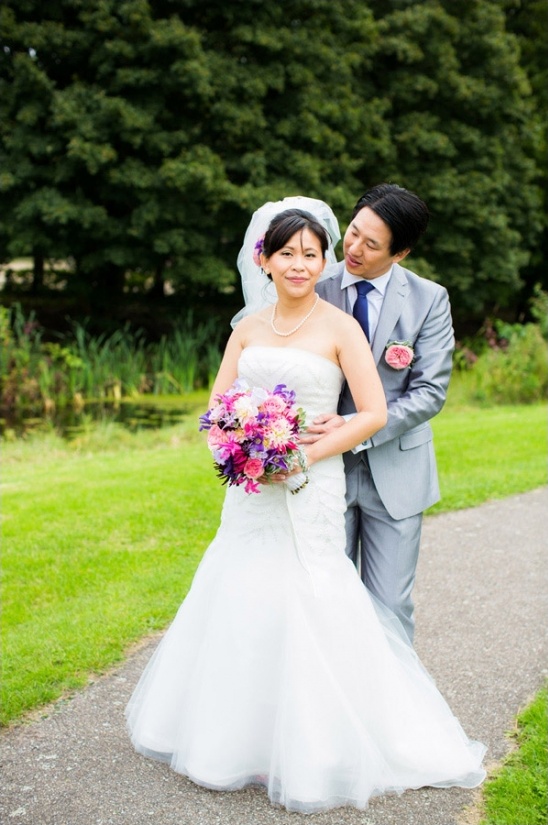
[[511, 369]]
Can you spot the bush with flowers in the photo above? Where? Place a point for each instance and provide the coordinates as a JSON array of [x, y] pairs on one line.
[[505, 363]]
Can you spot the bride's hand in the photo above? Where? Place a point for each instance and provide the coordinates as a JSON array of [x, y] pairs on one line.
[[281, 477], [321, 425], [274, 478]]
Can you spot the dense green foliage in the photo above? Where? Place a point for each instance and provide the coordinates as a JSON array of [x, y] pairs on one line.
[[528, 21], [518, 792], [137, 137]]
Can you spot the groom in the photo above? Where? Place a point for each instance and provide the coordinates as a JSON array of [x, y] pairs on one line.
[[391, 478]]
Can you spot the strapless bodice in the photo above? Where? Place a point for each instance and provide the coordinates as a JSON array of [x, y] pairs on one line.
[[316, 380]]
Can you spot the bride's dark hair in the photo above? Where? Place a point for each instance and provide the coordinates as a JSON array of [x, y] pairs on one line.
[[286, 224]]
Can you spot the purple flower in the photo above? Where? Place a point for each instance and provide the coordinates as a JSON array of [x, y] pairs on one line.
[[258, 250]]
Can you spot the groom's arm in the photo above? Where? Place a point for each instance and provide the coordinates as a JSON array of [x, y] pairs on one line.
[[426, 389], [428, 378]]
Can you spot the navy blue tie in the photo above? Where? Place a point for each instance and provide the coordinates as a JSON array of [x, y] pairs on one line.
[[361, 307]]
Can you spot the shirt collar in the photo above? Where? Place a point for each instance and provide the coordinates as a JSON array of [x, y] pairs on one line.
[[380, 283]]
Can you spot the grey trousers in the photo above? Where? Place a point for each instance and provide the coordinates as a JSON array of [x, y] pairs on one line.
[[385, 551]]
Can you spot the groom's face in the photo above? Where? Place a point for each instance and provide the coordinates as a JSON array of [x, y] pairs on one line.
[[367, 246]]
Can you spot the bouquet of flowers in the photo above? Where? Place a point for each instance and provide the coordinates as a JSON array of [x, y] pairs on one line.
[[253, 432]]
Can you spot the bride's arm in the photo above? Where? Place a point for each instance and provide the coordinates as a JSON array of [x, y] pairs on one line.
[[228, 371], [367, 391]]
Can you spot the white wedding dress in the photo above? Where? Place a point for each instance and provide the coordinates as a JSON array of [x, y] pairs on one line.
[[279, 669]]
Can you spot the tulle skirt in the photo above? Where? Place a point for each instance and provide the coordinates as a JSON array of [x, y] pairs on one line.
[[280, 668]]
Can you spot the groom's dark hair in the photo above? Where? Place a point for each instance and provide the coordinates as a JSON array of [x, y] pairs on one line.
[[405, 214]]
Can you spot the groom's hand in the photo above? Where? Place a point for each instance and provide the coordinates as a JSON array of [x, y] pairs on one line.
[[322, 424]]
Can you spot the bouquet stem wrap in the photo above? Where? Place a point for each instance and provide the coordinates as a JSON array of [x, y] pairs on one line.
[[297, 482]]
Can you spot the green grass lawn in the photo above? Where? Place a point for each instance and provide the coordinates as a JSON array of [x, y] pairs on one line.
[[489, 453], [517, 794], [98, 550], [102, 536], [101, 539]]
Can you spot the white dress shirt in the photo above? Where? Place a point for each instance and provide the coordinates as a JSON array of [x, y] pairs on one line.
[[374, 300]]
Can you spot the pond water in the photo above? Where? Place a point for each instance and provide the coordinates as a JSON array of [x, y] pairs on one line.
[[70, 422]]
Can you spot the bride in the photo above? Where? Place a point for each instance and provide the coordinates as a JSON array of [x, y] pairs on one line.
[[280, 669]]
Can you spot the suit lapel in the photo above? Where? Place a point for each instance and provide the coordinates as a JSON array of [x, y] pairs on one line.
[[394, 299], [331, 287]]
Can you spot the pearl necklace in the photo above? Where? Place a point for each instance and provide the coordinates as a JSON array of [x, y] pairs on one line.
[[299, 325]]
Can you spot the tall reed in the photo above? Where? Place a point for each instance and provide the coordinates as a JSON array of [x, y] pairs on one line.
[[112, 365], [181, 361], [36, 374], [21, 353]]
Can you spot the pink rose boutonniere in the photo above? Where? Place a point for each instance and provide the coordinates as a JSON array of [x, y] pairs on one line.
[[399, 354]]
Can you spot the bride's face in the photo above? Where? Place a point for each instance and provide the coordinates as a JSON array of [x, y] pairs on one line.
[[297, 266]]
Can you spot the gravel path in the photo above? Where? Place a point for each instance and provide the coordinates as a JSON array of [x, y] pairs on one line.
[[482, 610]]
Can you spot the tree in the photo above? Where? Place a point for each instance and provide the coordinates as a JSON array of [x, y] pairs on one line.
[[138, 137], [26, 149], [528, 21], [106, 160], [463, 123]]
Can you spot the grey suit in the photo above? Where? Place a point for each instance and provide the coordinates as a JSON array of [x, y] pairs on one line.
[[390, 484]]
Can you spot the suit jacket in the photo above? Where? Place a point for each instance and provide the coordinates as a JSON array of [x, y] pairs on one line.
[[401, 457]]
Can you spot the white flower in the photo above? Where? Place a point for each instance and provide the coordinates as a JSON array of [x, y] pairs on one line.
[[245, 409]]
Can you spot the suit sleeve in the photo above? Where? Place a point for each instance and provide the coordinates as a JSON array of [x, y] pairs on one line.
[[428, 379]]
